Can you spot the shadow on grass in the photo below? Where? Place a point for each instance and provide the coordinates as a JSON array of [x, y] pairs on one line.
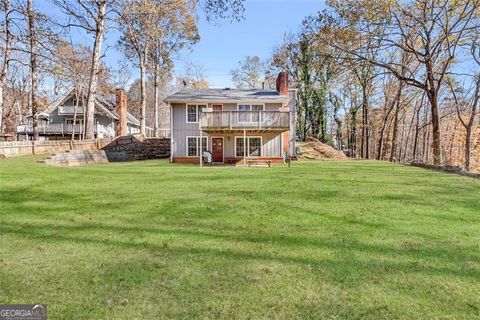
[[405, 260]]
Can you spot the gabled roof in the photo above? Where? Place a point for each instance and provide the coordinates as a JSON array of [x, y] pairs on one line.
[[104, 104], [226, 95]]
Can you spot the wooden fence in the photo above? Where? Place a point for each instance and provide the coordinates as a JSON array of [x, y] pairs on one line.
[[22, 148]]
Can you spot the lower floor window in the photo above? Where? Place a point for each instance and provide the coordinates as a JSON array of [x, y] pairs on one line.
[[70, 121], [252, 145], [193, 146]]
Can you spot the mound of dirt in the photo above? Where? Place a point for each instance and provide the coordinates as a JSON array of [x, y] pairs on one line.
[[315, 150]]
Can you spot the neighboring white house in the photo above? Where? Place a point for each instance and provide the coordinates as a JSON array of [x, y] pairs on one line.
[[62, 118]]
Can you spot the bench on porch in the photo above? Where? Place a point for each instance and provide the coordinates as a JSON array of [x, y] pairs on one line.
[[259, 161]]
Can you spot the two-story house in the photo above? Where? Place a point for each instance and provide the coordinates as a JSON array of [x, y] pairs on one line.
[[65, 117], [235, 125]]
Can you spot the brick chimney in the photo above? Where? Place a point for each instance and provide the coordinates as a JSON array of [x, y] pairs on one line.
[[282, 88], [282, 83], [121, 110]]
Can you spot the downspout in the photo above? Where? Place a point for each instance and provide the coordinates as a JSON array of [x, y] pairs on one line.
[[200, 143], [244, 148]]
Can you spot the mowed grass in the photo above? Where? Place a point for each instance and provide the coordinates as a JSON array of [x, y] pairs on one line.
[[321, 240]]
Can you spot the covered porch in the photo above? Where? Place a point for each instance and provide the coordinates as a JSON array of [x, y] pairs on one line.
[[242, 137], [243, 147]]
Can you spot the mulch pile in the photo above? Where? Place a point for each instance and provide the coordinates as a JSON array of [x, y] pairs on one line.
[[316, 150]]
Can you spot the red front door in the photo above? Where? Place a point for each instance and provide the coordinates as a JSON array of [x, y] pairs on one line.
[[217, 149]]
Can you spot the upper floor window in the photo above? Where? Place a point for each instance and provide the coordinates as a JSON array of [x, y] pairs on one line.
[[249, 116], [193, 112]]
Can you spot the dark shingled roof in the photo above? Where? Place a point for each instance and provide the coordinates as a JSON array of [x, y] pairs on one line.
[[218, 95]]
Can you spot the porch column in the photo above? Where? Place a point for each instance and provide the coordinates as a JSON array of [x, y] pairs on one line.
[[244, 147]]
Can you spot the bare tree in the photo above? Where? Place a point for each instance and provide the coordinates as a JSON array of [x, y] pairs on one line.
[[33, 67], [91, 16], [193, 77], [465, 105], [177, 33], [250, 73], [144, 25], [6, 9]]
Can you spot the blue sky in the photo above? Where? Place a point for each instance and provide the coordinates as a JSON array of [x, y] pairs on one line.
[[222, 44], [266, 22]]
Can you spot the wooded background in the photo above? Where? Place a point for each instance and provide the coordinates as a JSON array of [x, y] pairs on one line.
[[387, 80]]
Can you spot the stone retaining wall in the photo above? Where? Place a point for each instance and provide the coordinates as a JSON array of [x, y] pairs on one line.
[[137, 147]]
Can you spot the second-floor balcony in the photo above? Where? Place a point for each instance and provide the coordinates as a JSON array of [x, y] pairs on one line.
[[70, 109], [245, 120], [64, 129]]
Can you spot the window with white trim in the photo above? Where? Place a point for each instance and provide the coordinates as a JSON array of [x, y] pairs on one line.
[[193, 112], [249, 116], [193, 146], [253, 146]]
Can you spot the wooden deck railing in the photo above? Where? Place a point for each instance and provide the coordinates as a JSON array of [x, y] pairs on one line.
[[61, 128], [248, 120], [70, 109]]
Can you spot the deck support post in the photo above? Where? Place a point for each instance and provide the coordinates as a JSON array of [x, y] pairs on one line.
[[200, 147], [244, 147]]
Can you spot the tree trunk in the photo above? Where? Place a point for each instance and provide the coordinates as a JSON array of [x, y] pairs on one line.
[[77, 99], [417, 131], [452, 140], [436, 146], [95, 68], [402, 138], [468, 146], [84, 117], [426, 147], [365, 130], [353, 134], [143, 98], [407, 140], [469, 126], [33, 68], [338, 121], [382, 135], [6, 61], [393, 150], [157, 96]]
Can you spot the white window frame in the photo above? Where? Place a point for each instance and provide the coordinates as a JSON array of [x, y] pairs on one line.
[[248, 104], [197, 106], [247, 145], [198, 145]]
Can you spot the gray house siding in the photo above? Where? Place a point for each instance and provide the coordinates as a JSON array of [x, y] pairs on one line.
[[181, 129], [271, 142], [105, 124]]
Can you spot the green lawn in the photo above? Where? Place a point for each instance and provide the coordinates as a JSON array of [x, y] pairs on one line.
[[321, 240]]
